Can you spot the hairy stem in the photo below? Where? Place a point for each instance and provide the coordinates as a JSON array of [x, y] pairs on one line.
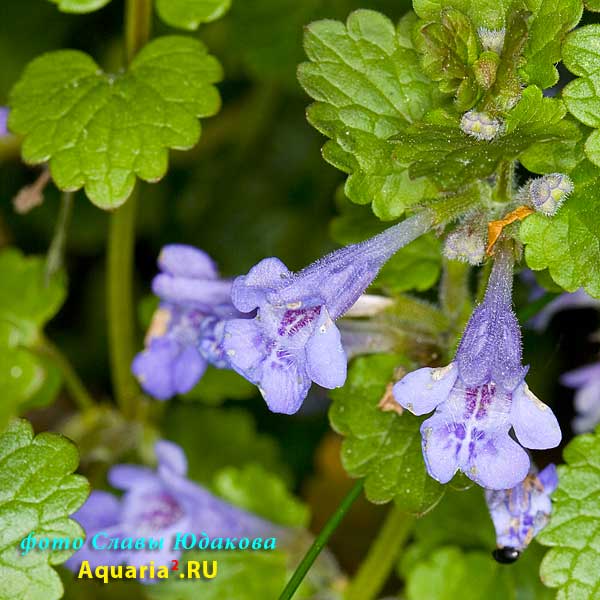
[[72, 382], [320, 541], [381, 558], [56, 253], [121, 239]]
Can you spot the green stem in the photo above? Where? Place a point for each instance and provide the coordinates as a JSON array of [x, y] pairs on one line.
[[381, 558], [121, 241], [121, 330], [72, 382], [320, 541], [56, 251]]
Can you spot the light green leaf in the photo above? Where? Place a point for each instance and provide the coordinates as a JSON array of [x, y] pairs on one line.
[[581, 56], [440, 150], [568, 244], [190, 14], [100, 131], [451, 573], [592, 5], [547, 30], [384, 447], [38, 494], [483, 13], [240, 576], [256, 490], [221, 438], [80, 6], [574, 528], [368, 84]]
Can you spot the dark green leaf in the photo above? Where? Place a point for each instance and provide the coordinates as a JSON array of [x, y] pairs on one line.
[[384, 447]]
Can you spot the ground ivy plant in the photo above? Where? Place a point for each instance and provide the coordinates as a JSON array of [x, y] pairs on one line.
[[463, 137]]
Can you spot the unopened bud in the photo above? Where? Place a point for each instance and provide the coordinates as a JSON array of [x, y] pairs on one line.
[[480, 125], [492, 39], [547, 193], [465, 244]]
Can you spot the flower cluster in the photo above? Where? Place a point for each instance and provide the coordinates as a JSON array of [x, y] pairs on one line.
[[479, 396], [521, 512], [158, 503], [480, 125], [186, 329]]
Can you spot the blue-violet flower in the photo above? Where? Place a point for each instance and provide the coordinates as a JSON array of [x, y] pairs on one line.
[[186, 329], [479, 396], [586, 382], [293, 341], [158, 503], [521, 512]]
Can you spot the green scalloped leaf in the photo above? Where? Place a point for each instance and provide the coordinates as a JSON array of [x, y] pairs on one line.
[[383, 447], [367, 81], [190, 14], [574, 530], [100, 131], [39, 492], [79, 6], [547, 30], [256, 490], [568, 244]]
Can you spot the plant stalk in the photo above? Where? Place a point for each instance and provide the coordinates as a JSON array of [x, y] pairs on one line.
[[320, 541], [121, 241], [375, 570], [56, 252]]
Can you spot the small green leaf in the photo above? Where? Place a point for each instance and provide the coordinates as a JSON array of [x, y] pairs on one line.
[[572, 532], [256, 490], [451, 573], [39, 492], [240, 576], [382, 446], [190, 14], [80, 6], [440, 150], [221, 438], [368, 84], [547, 30], [483, 13], [582, 57], [568, 244], [99, 131]]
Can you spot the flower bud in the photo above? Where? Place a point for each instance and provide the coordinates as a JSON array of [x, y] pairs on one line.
[[480, 125], [466, 244], [547, 193], [492, 39]]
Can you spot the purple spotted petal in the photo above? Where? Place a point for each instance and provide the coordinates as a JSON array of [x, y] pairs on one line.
[[186, 261], [245, 347], [534, 423], [442, 441], [249, 290], [424, 389], [326, 359], [500, 463], [170, 457], [188, 369], [153, 368]]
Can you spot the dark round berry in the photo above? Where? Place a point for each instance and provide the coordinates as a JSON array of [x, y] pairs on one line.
[[506, 555]]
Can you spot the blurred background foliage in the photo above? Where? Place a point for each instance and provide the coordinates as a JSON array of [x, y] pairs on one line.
[[255, 186]]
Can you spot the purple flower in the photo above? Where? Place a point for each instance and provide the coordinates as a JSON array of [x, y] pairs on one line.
[[521, 512], [479, 396], [157, 503], [293, 341], [566, 301], [4, 110], [586, 380], [186, 330]]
